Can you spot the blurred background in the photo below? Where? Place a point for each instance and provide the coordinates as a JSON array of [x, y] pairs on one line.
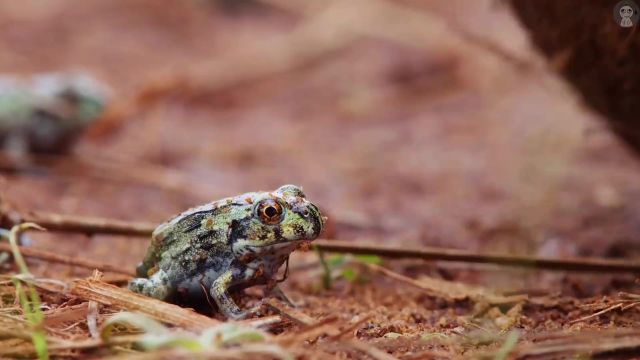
[[410, 123]]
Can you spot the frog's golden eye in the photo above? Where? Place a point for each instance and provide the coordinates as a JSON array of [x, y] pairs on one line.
[[269, 211]]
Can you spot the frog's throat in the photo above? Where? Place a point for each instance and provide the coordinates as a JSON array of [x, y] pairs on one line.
[[276, 244], [245, 247]]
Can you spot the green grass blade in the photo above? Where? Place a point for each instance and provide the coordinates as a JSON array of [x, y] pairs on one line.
[[30, 303]]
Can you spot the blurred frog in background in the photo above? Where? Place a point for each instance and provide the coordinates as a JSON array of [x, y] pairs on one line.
[[46, 113], [233, 243]]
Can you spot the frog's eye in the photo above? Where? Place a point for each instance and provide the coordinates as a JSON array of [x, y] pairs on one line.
[[269, 211]]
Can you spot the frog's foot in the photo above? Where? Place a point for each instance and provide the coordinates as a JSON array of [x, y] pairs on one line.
[[156, 286], [238, 315], [256, 310], [259, 308]]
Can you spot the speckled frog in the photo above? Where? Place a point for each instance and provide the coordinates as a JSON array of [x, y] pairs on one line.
[[233, 243]]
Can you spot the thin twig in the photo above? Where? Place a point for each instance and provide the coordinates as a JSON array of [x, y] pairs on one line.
[[88, 225], [449, 289], [57, 222], [94, 310], [440, 254], [116, 279], [66, 260], [290, 313], [601, 312], [265, 322], [110, 295]]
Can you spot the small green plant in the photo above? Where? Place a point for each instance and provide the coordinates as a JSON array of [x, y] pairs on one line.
[[343, 266], [157, 336], [29, 299], [507, 347]]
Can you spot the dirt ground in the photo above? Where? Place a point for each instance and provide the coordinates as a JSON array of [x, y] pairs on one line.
[[446, 129]]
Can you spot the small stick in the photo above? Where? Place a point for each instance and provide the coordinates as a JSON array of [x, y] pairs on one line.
[[88, 225], [116, 279], [111, 295], [440, 254], [265, 322], [290, 313], [93, 310], [448, 289], [601, 312], [61, 259], [56, 222]]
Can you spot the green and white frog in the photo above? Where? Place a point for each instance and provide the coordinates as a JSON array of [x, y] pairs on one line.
[[230, 244]]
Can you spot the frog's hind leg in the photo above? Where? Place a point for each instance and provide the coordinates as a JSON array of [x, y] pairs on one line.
[[157, 286]]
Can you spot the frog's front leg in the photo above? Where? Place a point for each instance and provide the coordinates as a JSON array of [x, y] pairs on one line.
[[220, 292]]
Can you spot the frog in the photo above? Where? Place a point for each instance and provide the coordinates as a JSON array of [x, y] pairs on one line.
[[229, 244], [46, 113]]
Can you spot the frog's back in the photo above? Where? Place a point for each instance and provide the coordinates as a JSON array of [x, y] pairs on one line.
[[198, 230]]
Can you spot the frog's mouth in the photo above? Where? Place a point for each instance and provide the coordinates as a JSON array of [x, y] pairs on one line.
[[278, 248], [281, 244]]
